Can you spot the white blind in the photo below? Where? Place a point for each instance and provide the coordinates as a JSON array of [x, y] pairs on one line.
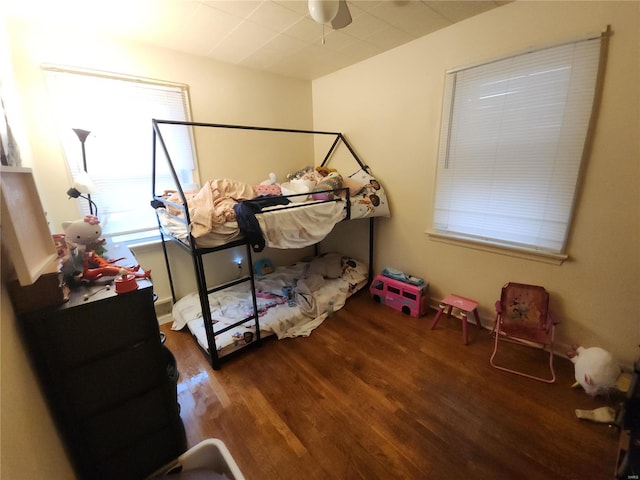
[[118, 112], [511, 146]]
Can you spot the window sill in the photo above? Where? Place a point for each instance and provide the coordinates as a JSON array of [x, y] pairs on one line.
[[144, 243], [140, 239], [527, 254]]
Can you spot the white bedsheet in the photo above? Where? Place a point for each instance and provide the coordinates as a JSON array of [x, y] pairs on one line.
[[299, 227], [275, 315]]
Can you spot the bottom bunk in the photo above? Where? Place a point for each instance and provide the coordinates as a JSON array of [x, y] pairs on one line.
[[291, 302]]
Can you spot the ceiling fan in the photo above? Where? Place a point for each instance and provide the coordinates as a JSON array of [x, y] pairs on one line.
[[335, 12]]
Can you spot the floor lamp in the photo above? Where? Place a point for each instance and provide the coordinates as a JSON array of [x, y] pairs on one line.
[[74, 192]]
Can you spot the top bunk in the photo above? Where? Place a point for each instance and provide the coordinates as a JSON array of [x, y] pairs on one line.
[[294, 208]]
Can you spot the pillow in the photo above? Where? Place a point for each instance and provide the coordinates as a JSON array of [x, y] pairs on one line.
[[328, 265], [300, 173], [271, 189], [297, 187], [313, 176], [353, 185], [354, 272], [371, 201], [353, 267]]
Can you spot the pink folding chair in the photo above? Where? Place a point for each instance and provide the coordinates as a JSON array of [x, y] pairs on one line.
[[523, 317]]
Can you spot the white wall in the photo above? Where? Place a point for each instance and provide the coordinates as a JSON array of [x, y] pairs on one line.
[[390, 109]]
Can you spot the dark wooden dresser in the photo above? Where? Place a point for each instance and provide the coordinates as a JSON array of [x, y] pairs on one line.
[[105, 374]]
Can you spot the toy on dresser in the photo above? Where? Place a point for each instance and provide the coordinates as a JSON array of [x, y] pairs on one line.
[[402, 292], [84, 234], [83, 261]]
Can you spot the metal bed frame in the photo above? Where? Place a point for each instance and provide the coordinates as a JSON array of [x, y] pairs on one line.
[[197, 253]]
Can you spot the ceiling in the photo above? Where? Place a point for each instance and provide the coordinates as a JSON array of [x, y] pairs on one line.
[[276, 36]]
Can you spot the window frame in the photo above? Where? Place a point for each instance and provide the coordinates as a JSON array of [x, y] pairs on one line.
[[70, 146], [497, 245]]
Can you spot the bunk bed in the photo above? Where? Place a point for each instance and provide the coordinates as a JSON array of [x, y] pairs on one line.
[[225, 213]]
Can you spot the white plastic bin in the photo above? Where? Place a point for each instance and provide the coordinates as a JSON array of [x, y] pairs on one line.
[[210, 459]]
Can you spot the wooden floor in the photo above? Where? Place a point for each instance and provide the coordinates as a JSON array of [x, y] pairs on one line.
[[375, 394]]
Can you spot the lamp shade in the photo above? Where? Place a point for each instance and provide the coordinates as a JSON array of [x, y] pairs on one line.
[[82, 134], [323, 11], [83, 183]]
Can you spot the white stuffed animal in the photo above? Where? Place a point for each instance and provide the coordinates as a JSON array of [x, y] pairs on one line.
[[84, 234], [596, 370], [272, 180]]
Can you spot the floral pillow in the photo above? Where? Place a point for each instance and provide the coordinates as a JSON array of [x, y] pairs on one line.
[[271, 189]]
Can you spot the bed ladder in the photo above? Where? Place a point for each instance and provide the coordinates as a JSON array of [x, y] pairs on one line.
[[204, 293]]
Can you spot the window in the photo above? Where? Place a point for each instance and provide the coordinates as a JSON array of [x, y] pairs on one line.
[[117, 111], [511, 147]]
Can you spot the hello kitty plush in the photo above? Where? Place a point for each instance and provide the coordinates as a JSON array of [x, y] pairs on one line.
[[84, 234], [595, 369], [82, 237]]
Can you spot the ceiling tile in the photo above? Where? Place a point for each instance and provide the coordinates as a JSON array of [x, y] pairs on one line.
[[364, 26], [240, 9], [301, 7], [416, 18], [207, 29], [389, 38], [244, 40], [277, 36], [306, 30], [274, 16]]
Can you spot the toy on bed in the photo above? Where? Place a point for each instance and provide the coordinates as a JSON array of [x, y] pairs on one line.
[[263, 266], [269, 186], [299, 188], [367, 195]]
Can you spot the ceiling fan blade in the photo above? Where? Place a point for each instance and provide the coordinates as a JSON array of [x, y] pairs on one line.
[[343, 17]]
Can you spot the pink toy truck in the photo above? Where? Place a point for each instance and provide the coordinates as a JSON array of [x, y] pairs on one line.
[[410, 299]]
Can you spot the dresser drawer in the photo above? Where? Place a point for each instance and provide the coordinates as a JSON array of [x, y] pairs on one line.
[[105, 383], [71, 337]]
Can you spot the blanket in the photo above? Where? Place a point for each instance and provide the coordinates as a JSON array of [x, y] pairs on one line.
[[246, 218], [313, 294], [213, 204], [300, 227]]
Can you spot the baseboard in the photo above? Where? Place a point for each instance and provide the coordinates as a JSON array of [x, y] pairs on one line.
[[163, 307], [165, 319]]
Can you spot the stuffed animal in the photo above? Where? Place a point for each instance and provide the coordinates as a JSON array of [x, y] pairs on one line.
[[272, 180], [324, 171], [84, 234], [595, 369], [269, 187], [81, 237], [84, 262], [96, 267]]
